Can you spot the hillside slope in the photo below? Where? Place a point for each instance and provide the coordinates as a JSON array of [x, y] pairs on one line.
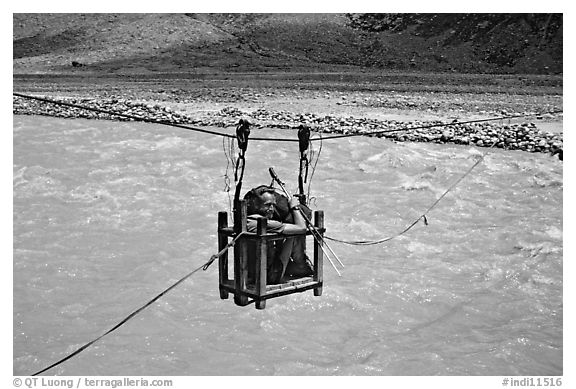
[[198, 43]]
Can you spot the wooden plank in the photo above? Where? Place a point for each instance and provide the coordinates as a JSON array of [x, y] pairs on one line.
[[229, 231], [318, 254], [286, 290], [289, 289], [261, 261], [240, 254], [223, 260], [289, 284]]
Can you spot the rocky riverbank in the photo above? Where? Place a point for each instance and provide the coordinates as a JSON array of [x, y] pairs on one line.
[[518, 136]]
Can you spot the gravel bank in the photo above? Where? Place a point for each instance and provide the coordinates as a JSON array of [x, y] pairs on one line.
[[519, 136]]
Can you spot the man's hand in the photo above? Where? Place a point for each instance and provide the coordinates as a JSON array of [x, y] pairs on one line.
[[299, 226], [294, 202]]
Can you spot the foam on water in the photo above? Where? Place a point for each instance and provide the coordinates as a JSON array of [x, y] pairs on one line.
[[107, 215]]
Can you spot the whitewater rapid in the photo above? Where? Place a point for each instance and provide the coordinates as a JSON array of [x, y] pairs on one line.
[[107, 215]]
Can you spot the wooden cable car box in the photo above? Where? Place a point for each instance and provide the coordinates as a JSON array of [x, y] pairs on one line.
[[258, 289]]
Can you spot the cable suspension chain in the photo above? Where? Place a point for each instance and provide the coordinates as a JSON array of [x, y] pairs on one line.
[[317, 154], [228, 153], [304, 142], [242, 134]]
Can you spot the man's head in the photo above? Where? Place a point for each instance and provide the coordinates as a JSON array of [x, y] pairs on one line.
[[261, 201]]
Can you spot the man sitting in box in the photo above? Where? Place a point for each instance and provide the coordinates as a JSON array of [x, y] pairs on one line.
[[286, 258]]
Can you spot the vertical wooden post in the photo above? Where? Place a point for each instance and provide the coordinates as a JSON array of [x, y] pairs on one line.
[[261, 261], [223, 260], [318, 254], [240, 254]]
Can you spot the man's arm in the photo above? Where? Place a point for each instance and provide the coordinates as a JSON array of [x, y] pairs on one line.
[[299, 226]]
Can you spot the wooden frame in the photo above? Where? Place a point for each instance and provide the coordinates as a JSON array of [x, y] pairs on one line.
[[259, 291]]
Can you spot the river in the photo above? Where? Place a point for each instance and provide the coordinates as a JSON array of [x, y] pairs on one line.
[[109, 214]]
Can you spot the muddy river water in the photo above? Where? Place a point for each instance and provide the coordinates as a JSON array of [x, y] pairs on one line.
[[107, 215]]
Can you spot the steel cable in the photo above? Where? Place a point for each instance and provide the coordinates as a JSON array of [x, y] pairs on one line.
[[137, 311]]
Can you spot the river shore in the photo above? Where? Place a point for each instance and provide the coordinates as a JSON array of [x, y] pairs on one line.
[[506, 134]]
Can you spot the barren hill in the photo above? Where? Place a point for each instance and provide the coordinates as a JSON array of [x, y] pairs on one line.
[[198, 43]]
